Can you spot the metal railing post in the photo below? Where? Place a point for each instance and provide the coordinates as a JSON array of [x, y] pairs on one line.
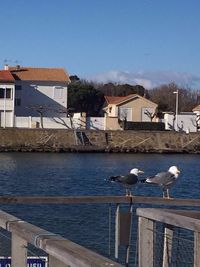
[[117, 232]]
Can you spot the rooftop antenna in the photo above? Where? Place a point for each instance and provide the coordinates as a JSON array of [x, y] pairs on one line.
[[17, 64], [5, 64]]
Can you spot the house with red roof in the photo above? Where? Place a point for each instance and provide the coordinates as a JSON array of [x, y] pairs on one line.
[[34, 92], [133, 108]]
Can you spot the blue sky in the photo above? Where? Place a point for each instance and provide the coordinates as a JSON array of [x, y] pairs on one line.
[[137, 41]]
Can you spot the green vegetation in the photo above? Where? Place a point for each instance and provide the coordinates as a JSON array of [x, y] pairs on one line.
[[83, 97], [89, 97]]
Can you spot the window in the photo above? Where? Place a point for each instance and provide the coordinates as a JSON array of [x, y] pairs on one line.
[[125, 114], [17, 102], [6, 93], [58, 92]]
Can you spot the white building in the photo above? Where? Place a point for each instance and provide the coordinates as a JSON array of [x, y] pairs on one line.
[[7, 97], [186, 121], [28, 92], [44, 87]]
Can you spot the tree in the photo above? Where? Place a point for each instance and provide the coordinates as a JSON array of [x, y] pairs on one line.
[[150, 114], [166, 99], [83, 97], [41, 110], [111, 89], [74, 78], [59, 119]]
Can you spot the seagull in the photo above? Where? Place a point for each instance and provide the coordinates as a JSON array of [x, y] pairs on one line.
[[164, 179], [127, 180]]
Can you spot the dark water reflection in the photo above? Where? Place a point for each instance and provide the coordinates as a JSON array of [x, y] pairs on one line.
[[43, 174]]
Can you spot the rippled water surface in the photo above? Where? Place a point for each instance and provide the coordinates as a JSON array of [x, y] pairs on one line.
[[46, 174]]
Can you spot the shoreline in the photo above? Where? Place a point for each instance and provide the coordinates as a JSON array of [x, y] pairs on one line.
[[91, 141]]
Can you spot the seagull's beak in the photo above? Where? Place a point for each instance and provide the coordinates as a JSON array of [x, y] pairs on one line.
[[178, 171], [140, 171]]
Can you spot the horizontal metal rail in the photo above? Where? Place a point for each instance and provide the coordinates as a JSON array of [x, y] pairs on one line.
[[98, 200], [63, 252]]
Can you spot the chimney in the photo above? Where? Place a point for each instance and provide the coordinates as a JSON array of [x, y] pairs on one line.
[[18, 67], [6, 67]]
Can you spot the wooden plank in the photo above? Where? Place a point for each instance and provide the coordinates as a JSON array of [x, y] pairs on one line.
[[167, 248], [98, 199], [54, 262], [170, 217], [62, 249], [196, 249], [187, 213], [18, 251], [146, 242]]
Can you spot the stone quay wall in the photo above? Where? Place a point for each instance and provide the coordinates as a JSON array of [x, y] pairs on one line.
[[64, 140]]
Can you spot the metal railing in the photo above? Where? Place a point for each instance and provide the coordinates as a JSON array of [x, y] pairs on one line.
[[62, 252], [176, 243]]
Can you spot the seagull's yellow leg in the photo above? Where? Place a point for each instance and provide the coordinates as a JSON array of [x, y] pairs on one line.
[[168, 195], [163, 194], [127, 192]]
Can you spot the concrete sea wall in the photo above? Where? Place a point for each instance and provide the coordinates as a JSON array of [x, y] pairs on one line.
[[61, 140]]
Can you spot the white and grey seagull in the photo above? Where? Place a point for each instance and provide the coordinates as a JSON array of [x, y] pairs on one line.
[[127, 180], [164, 179]]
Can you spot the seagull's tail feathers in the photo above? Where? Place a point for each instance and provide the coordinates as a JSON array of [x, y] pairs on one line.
[[146, 180], [142, 181]]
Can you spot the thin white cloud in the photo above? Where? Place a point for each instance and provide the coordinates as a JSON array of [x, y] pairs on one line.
[[148, 79]]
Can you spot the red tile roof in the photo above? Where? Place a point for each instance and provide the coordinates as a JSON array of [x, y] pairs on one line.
[[6, 76], [118, 99], [39, 74], [197, 108]]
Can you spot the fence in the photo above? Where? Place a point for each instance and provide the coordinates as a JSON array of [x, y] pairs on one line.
[[165, 237], [93, 123], [62, 252], [168, 238]]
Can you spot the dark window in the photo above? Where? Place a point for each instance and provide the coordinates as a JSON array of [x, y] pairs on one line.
[[17, 102], [8, 93], [2, 92]]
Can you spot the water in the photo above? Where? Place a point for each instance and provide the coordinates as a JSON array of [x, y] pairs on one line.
[[46, 174]]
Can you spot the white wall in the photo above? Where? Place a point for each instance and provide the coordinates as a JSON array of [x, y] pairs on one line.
[[186, 122], [48, 123], [40, 93], [95, 123], [7, 106]]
